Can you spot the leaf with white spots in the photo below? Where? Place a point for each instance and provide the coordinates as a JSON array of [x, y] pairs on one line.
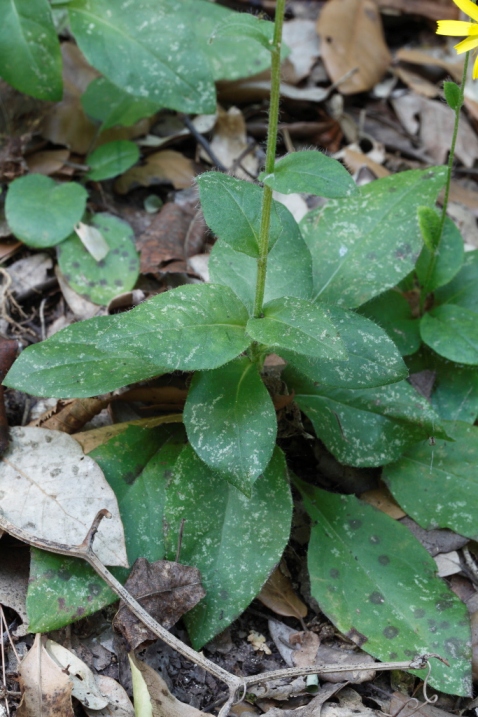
[[378, 585], [372, 357], [365, 427], [366, 243], [231, 422], [51, 490], [232, 210], [312, 172], [162, 60], [193, 327], [289, 270], [62, 589], [392, 312], [30, 58], [234, 541], [437, 483], [297, 325]]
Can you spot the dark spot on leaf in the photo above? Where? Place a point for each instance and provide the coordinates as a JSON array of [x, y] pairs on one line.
[[376, 598], [464, 623], [392, 655], [67, 277], [334, 573], [419, 612], [375, 539], [48, 439], [101, 263], [428, 175], [445, 603], [61, 603], [164, 692], [444, 625], [390, 632], [328, 39], [432, 626], [75, 264], [383, 559], [49, 574], [403, 252], [409, 653], [224, 594], [80, 611], [392, 189], [64, 574], [355, 524], [357, 637], [102, 282], [125, 254], [116, 251], [118, 282], [94, 589]]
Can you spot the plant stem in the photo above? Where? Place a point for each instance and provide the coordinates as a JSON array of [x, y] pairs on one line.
[[451, 159], [270, 159]]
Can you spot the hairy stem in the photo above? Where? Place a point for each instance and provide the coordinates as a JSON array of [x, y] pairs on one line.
[[451, 159], [270, 159]]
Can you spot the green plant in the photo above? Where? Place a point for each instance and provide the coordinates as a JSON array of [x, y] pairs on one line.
[[374, 266]]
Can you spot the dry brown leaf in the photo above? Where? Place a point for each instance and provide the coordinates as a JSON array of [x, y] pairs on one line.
[[354, 160], [314, 707], [382, 499], [402, 704], [330, 656], [165, 589], [163, 703], [89, 440], [229, 142], [279, 596], [306, 646], [47, 162], [419, 57], [301, 38], [352, 37], [417, 83], [165, 167], [432, 9], [119, 704], [71, 415], [46, 687], [80, 307]]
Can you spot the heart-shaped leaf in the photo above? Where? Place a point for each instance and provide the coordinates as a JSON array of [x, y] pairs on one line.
[[42, 212]]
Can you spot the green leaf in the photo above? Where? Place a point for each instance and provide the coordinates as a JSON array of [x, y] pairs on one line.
[[30, 58], [452, 94], [437, 484], [232, 210], [289, 270], [100, 281], [112, 106], [61, 589], [243, 25], [392, 312], [452, 332], [437, 271], [244, 537], [111, 159], [231, 422], [430, 222], [366, 427], [191, 328], [463, 289], [372, 358], [42, 212], [161, 59], [360, 556], [312, 172], [365, 243], [299, 326]]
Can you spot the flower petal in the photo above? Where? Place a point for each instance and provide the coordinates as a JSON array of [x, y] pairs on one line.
[[468, 7], [465, 45], [475, 69], [456, 28]]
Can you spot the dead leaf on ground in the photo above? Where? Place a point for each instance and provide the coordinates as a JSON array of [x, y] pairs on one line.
[[433, 121], [402, 704], [352, 38], [448, 564], [71, 415], [119, 704], [175, 233], [279, 596], [229, 143], [300, 36], [432, 9], [80, 307], [45, 686], [450, 64], [314, 707], [82, 679], [30, 274], [382, 499], [52, 491], [165, 589], [165, 167], [163, 703], [436, 540], [14, 574], [48, 161], [89, 440], [417, 83]]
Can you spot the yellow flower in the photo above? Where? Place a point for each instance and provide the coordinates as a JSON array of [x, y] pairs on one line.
[[457, 28]]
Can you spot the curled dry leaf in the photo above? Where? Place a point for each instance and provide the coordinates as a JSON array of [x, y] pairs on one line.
[[165, 589], [352, 41], [46, 687], [165, 167], [84, 686], [278, 595], [163, 703], [70, 416], [230, 142], [301, 38], [51, 490], [382, 499]]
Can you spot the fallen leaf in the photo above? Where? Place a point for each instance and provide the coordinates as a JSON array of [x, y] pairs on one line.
[[435, 540], [229, 143], [354, 160], [71, 415], [382, 499], [119, 704], [81, 307], [278, 595], [89, 440], [330, 656], [432, 9], [450, 64], [305, 646], [46, 688], [352, 39], [448, 564], [51, 490], [314, 707], [165, 589], [402, 704], [30, 274], [84, 686], [48, 161], [300, 36], [163, 703], [165, 167], [417, 83], [474, 643]]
